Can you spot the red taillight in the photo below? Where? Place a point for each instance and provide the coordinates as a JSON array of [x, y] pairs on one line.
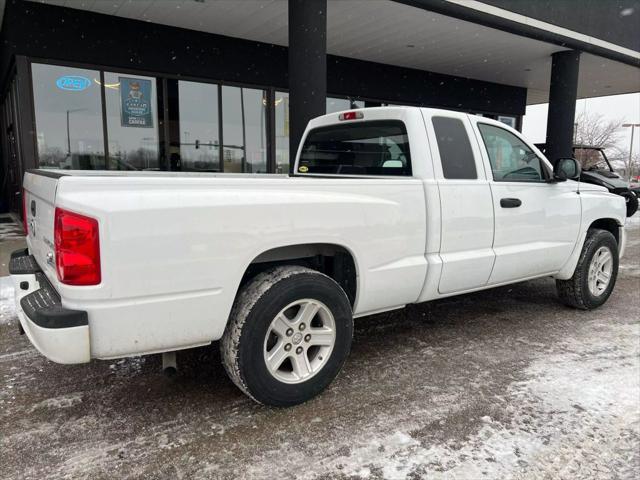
[[77, 248], [25, 222], [351, 115]]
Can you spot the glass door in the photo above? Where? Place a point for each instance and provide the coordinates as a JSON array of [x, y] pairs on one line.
[[12, 180], [244, 129], [199, 126]]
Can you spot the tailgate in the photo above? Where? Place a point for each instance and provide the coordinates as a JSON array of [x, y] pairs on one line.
[[40, 194]]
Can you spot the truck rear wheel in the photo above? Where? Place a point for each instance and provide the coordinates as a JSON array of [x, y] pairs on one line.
[[595, 275], [288, 335]]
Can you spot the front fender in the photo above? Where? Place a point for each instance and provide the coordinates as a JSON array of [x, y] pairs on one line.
[[596, 204]]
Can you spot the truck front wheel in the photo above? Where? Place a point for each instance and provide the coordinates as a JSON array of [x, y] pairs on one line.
[[288, 335], [595, 275]]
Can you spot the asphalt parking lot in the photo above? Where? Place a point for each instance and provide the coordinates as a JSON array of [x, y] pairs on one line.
[[505, 383]]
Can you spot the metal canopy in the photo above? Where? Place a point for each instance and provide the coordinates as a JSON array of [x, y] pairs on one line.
[[391, 33]]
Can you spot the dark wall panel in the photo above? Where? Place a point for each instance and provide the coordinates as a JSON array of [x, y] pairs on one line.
[[398, 85], [57, 33], [616, 21]]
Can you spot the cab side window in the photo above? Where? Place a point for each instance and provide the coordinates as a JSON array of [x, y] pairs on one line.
[[455, 150], [511, 159]]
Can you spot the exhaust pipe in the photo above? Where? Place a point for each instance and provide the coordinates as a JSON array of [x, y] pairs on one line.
[[169, 365]]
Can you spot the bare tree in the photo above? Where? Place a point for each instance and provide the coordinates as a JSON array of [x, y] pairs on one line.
[[594, 130]]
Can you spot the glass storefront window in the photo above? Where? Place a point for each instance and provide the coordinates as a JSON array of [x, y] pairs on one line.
[[243, 130], [337, 104], [199, 132], [340, 104], [132, 121], [282, 132], [68, 115], [282, 124]]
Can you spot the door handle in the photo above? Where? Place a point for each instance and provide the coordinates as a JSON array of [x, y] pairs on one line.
[[510, 202]]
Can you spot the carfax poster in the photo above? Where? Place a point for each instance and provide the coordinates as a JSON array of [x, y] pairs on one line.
[[135, 102]]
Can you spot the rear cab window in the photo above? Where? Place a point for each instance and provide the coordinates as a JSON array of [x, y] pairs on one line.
[[377, 147]]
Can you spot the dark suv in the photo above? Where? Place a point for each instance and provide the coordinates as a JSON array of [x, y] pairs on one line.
[[597, 170]]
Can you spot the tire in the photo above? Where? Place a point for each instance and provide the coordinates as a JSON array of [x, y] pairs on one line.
[[253, 335], [576, 291], [632, 202]]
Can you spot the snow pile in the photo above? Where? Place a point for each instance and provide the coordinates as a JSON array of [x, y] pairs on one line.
[[633, 221], [7, 302]]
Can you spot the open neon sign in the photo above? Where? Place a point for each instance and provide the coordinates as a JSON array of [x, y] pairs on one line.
[[73, 83]]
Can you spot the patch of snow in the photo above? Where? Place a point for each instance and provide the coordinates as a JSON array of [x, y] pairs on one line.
[[633, 220], [575, 415], [7, 302], [63, 401]]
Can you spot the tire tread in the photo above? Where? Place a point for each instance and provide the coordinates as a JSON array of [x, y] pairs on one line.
[[572, 291], [246, 298]]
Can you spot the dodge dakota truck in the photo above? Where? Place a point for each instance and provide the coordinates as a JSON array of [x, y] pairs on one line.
[[387, 207]]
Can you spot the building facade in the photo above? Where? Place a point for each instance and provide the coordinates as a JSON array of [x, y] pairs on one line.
[[228, 86]]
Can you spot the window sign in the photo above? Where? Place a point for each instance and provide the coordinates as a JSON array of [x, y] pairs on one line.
[[511, 121], [135, 99], [73, 83], [131, 148]]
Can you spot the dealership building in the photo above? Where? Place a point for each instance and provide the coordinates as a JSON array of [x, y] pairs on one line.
[[229, 85]]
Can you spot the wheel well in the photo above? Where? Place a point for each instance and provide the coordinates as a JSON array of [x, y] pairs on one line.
[[608, 224], [334, 261]]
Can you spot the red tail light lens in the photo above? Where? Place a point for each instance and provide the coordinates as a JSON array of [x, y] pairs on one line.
[[351, 116], [25, 222], [77, 248]]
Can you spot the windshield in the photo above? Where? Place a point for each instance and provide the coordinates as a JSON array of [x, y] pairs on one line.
[[363, 148], [590, 159]]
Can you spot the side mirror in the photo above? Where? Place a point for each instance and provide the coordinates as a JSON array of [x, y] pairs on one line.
[[566, 169]]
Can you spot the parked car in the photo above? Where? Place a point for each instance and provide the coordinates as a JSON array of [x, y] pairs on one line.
[[597, 169], [634, 186], [387, 207]]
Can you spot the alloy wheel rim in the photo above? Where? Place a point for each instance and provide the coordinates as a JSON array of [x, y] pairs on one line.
[[600, 271], [299, 341]]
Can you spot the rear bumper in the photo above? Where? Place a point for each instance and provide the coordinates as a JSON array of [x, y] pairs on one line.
[[60, 334]]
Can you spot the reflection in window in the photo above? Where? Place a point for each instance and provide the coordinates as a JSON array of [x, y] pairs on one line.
[[132, 127], [511, 159], [243, 130], [199, 142], [68, 117], [282, 132]]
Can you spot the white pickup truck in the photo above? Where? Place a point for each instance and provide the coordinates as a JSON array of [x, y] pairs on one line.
[[388, 207]]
